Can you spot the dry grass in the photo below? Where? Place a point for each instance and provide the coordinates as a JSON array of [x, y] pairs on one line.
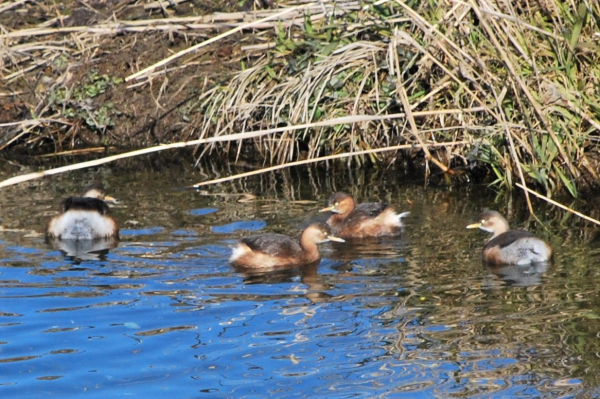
[[532, 72], [516, 84]]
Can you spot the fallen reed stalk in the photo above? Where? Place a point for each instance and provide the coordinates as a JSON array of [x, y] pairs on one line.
[[160, 4], [83, 151], [234, 20], [12, 5], [141, 74], [558, 204]]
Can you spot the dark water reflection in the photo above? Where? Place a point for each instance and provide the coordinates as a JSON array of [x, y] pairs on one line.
[[163, 314]]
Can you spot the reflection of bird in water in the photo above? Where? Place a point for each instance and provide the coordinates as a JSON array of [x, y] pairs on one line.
[[315, 288], [84, 249], [370, 219], [84, 218], [278, 250], [520, 276], [507, 246]]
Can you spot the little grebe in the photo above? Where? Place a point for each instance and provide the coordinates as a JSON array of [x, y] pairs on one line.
[[84, 218], [278, 250], [370, 219], [517, 247]]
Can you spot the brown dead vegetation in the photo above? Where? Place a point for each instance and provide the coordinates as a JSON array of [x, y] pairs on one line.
[[512, 88]]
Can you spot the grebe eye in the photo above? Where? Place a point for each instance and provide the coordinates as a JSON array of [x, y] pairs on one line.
[[336, 204], [483, 221]]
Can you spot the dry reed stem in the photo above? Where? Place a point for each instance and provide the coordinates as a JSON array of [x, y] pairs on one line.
[[524, 89], [35, 122], [84, 151], [159, 4], [410, 40], [431, 31], [566, 208], [520, 22], [469, 65], [220, 20], [141, 74], [513, 151], [401, 90], [321, 159], [415, 130], [12, 5]]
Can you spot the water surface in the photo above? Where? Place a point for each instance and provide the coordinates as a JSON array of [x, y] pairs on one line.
[[163, 313]]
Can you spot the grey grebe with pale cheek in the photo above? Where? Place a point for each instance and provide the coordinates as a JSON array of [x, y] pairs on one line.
[[518, 247]]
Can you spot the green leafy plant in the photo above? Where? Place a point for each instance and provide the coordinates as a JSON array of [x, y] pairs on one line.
[[78, 101]]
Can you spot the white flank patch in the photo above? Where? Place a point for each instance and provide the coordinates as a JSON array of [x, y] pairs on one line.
[[392, 219], [81, 225], [238, 251]]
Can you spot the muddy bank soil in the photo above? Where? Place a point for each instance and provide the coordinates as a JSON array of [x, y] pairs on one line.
[[74, 81]]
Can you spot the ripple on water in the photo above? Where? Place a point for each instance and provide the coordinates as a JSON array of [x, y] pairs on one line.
[[203, 211], [249, 225], [417, 316]]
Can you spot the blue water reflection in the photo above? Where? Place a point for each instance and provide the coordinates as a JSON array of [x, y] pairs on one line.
[[203, 211], [162, 313], [250, 225]]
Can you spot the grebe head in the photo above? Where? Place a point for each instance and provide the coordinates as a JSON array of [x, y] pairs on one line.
[[492, 222], [318, 233], [340, 203], [96, 190]]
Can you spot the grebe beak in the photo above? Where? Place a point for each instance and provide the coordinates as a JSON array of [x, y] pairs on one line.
[[336, 239], [110, 199], [328, 209], [474, 226]]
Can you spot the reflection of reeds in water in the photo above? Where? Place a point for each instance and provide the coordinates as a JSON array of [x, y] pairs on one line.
[[289, 200], [517, 328]]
